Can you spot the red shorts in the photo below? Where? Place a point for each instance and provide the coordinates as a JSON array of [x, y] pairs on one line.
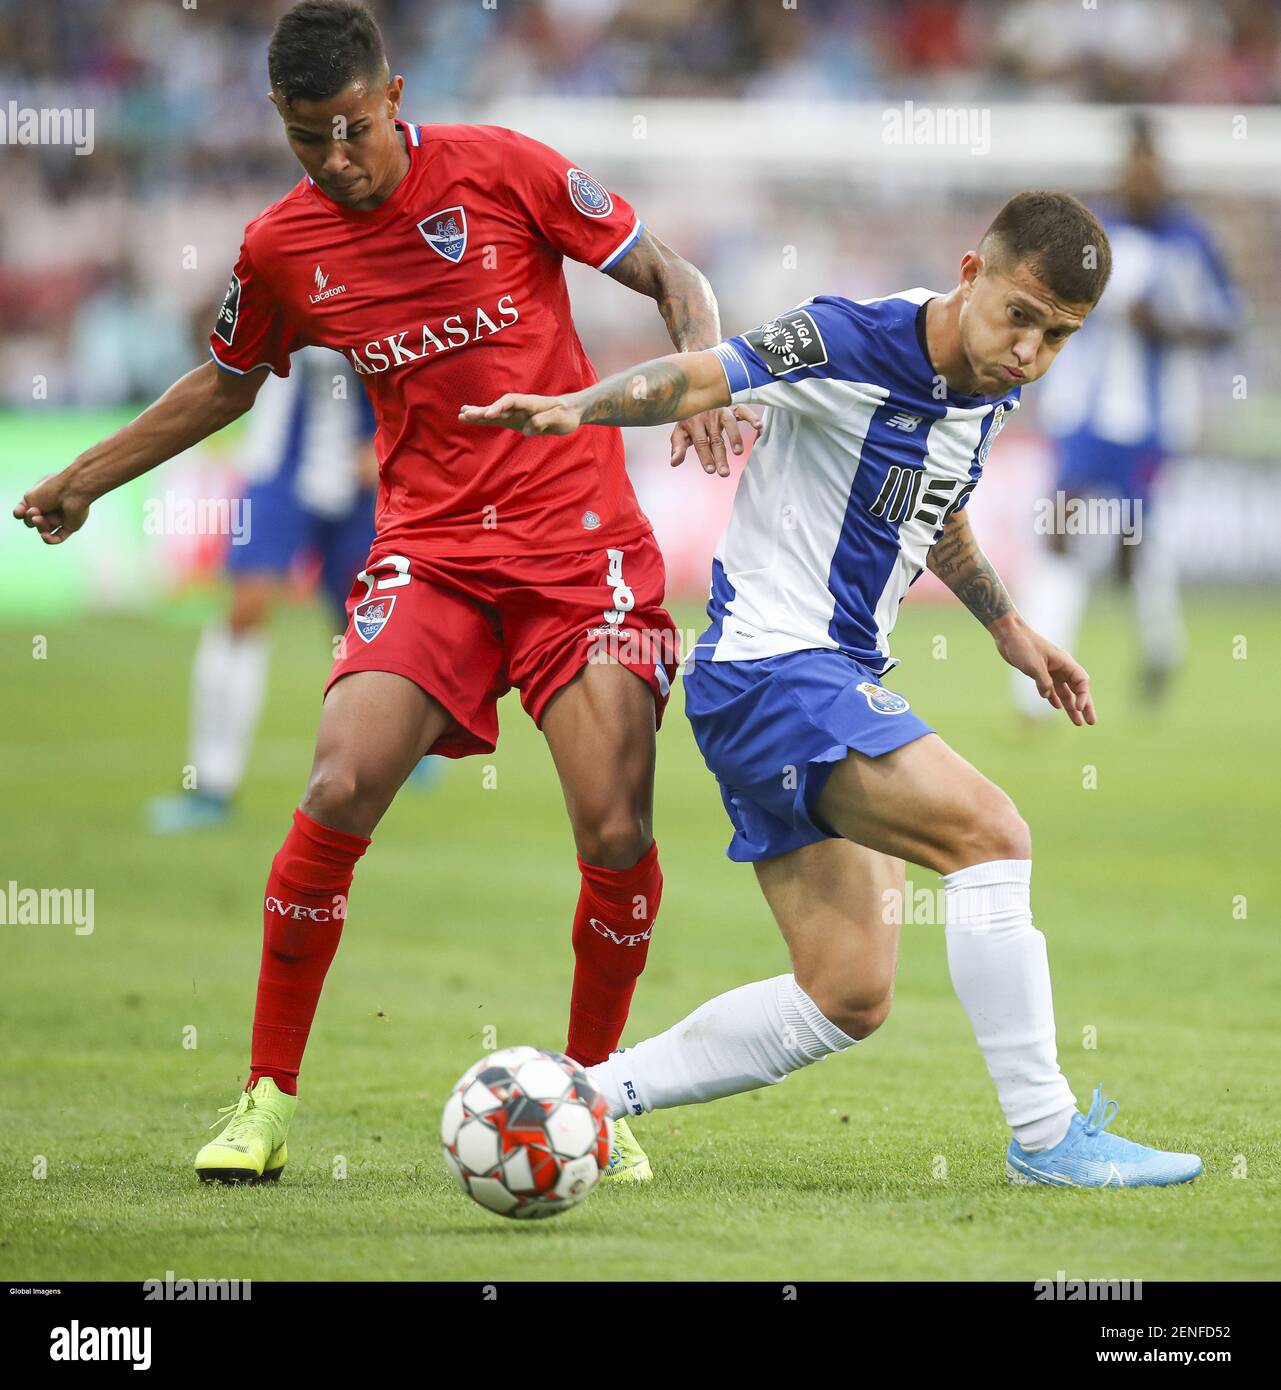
[[467, 631]]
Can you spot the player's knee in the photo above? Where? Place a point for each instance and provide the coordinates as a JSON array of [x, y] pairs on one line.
[[344, 797], [994, 830], [613, 840], [857, 1006], [1010, 836]]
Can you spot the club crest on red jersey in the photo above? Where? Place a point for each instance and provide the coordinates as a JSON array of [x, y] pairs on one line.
[[881, 700], [446, 232], [370, 617], [588, 196]]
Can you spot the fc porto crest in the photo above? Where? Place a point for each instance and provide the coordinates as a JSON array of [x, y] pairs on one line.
[[370, 617], [446, 232], [881, 700], [998, 419], [588, 196]]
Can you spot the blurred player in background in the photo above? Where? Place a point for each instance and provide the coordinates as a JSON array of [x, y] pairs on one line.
[[311, 470], [880, 415], [1125, 402], [431, 256]]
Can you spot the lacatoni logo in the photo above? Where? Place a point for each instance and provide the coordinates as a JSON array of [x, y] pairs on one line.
[[76, 1343], [610, 935], [299, 913], [457, 330], [323, 289]]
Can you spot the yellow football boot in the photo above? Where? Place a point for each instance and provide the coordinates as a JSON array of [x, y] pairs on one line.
[[252, 1146]]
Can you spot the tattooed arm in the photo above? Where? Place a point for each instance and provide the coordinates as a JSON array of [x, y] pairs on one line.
[[680, 290], [689, 310], [959, 562], [655, 393]]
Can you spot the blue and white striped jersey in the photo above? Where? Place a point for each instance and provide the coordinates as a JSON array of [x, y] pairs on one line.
[[864, 456], [1117, 384]]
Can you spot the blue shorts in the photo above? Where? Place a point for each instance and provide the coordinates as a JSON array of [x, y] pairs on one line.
[[771, 732], [1093, 467], [281, 530]]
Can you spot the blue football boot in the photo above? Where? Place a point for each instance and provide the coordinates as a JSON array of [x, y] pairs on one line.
[[1087, 1156], [187, 812]]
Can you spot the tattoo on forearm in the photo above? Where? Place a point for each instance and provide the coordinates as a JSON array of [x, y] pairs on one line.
[[651, 394], [957, 560], [690, 313], [984, 595], [681, 291]]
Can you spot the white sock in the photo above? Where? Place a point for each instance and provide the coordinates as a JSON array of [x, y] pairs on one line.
[[1001, 974], [1052, 602], [751, 1037], [227, 684]]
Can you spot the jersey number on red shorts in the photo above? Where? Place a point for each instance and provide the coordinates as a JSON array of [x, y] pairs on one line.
[[398, 563], [624, 599]]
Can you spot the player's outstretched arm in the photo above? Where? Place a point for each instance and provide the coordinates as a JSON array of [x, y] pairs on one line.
[[959, 562], [194, 407], [685, 300], [658, 392]]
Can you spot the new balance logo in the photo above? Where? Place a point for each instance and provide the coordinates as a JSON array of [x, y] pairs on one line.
[[903, 421]]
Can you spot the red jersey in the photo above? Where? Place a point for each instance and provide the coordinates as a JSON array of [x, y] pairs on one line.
[[450, 292]]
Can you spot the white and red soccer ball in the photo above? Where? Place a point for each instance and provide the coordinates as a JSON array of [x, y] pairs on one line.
[[525, 1133]]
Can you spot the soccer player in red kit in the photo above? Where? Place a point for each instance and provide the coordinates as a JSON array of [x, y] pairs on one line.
[[431, 258]]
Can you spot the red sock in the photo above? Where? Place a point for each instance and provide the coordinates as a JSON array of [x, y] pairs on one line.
[[616, 913], [303, 913]]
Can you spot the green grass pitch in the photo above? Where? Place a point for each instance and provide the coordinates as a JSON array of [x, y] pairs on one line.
[[885, 1163]]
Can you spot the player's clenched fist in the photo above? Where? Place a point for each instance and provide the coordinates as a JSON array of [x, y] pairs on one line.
[[53, 508], [525, 415]]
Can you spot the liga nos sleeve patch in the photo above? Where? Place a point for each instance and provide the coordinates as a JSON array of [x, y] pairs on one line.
[[225, 327], [789, 342]]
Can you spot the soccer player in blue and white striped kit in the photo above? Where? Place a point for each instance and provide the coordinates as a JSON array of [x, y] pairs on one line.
[[878, 419]]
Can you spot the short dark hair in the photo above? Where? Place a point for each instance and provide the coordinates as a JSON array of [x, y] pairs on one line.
[[1057, 237], [320, 46]]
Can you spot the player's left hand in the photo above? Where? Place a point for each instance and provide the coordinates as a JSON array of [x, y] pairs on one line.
[[705, 432], [1059, 677], [524, 414]]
